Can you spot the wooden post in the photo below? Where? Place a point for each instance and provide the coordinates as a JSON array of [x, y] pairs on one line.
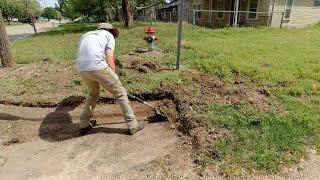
[[5, 48]]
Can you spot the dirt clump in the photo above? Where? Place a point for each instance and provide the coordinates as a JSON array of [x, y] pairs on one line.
[[11, 141], [142, 61], [145, 66], [168, 109]]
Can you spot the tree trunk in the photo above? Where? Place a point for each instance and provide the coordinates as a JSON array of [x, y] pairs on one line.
[[128, 21], [9, 21], [5, 48], [33, 24]]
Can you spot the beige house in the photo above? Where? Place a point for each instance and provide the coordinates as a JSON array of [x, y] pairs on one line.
[[274, 13]]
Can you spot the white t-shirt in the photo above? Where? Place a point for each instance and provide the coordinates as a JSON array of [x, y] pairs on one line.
[[91, 53]]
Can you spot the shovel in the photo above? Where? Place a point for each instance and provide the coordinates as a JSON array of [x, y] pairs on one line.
[[158, 117]]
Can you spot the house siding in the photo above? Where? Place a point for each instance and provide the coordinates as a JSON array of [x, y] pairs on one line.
[[279, 6], [263, 16], [211, 19], [304, 13]]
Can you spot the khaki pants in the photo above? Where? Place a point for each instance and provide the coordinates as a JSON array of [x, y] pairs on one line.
[[110, 81]]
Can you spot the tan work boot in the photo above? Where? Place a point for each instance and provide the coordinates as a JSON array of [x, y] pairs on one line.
[[84, 131], [139, 127]]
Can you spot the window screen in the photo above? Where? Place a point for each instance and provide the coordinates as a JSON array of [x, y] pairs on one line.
[[253, 9]]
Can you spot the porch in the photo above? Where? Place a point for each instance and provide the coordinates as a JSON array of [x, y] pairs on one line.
[[224, 13]]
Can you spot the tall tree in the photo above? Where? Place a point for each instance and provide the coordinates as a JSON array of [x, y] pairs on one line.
[[128, 20], [115, 5], [10, 9], [67, 8], [49, 13], [5, 49]]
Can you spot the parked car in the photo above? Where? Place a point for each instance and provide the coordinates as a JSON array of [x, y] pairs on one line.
[[25, 20], [15, 19]]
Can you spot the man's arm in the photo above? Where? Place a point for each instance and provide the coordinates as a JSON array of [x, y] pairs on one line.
[[110, 59]]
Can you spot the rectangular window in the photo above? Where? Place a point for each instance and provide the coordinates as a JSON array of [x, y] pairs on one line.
[[221, 7], [198, 13], [287, 12], [253, 9], [316, 3]]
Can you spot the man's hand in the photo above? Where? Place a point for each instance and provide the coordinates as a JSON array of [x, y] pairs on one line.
[[110, 59]]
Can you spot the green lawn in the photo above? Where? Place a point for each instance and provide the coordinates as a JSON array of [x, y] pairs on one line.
[[286, 62]]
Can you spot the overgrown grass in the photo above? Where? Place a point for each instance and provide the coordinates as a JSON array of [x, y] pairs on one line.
[[284, 61]]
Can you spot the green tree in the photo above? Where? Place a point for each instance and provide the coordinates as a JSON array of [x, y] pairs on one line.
[[67, 8], [10, 9], [31, 7], [49, 13]]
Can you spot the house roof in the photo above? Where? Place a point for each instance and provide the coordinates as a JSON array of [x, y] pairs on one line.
[[141, 7], [170, 4], [144, 7]]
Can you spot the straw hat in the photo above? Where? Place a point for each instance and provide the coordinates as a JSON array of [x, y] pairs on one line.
[[110, 28]]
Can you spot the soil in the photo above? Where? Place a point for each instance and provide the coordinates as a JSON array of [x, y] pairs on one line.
[[44, 143], [143, 62]]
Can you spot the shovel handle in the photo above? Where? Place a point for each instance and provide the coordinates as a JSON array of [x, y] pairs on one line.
[[136, 98], [140, 100]]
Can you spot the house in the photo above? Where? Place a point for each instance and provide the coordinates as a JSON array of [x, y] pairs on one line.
[[274, 13], [145, 13], [149, 12], [168, 12]]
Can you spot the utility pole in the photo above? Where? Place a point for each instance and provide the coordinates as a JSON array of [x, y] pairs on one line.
[[179, 34], [5, 48]]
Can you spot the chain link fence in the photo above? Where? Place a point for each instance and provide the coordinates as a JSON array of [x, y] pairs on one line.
[[171, 17], [220, 19]]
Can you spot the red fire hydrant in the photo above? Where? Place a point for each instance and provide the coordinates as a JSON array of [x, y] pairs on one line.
[[150, 38]]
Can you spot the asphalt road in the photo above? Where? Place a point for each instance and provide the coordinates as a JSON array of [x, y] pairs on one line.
[[25, 30]]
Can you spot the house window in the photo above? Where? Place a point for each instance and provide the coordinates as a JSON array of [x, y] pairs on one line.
[[316, 3], [198, 14], [287, 12], [253, 9], [221, 7]]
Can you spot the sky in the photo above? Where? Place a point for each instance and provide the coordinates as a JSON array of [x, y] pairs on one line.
[[48, 3]]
